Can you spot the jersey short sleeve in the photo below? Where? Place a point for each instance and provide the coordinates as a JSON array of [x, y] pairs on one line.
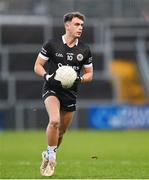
[[88, 61], [45, 51]]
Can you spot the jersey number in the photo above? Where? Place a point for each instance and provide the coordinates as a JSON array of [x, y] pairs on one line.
[[69, 57]]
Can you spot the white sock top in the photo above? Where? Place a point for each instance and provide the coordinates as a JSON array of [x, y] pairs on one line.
[[51, 152]]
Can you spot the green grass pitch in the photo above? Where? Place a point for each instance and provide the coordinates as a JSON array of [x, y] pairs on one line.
[[85, 154]]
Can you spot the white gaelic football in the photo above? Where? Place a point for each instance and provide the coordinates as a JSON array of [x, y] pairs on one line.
[[66, 75]]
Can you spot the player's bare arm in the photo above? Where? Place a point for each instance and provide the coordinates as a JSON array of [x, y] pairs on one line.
[[87, 74], [39, 66]]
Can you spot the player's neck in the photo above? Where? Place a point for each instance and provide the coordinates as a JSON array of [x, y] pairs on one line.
[[70, 41]]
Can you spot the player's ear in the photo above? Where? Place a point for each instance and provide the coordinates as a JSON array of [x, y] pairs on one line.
[[66, 25]]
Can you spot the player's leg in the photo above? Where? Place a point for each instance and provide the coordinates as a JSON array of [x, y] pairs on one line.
[[66, 118], [52, 105]]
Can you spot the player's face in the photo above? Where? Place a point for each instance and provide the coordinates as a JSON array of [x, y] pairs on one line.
[[75, 27]]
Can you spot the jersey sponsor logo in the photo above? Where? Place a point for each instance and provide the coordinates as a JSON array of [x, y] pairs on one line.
[[58, 55], [76, 68], [79, 57], [69, 56]]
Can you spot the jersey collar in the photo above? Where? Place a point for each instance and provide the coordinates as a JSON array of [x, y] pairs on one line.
[[63, 39]]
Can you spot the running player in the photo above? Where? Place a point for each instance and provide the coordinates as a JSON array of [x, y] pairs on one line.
[[60, 103]]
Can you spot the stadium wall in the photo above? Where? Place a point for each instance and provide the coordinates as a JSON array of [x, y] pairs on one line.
[[21, 37]]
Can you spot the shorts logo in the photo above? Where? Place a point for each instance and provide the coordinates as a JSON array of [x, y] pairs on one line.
[[71, 105], [79, 57], [45, 93], [50, 92]]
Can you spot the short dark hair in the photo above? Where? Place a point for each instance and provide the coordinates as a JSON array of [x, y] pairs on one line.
[[69, 16]]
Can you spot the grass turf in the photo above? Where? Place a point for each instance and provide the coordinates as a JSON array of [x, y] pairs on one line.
[[83, 155]]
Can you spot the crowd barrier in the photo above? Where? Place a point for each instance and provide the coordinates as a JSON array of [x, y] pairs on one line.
[[122, 116]]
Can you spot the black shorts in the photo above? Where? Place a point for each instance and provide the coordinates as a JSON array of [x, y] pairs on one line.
[[67, 98]]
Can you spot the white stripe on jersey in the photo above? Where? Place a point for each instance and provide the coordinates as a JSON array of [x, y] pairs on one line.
[[43, 57], [88, 65]]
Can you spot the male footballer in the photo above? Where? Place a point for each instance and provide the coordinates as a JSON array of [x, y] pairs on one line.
[[60, 103]]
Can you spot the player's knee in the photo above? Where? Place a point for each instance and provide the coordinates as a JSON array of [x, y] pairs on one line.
[[55, 123]]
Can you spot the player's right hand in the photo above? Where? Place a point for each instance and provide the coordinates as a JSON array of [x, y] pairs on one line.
[[55, 84]]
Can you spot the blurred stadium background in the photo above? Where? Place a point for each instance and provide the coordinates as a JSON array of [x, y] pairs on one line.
[[118, 34]]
